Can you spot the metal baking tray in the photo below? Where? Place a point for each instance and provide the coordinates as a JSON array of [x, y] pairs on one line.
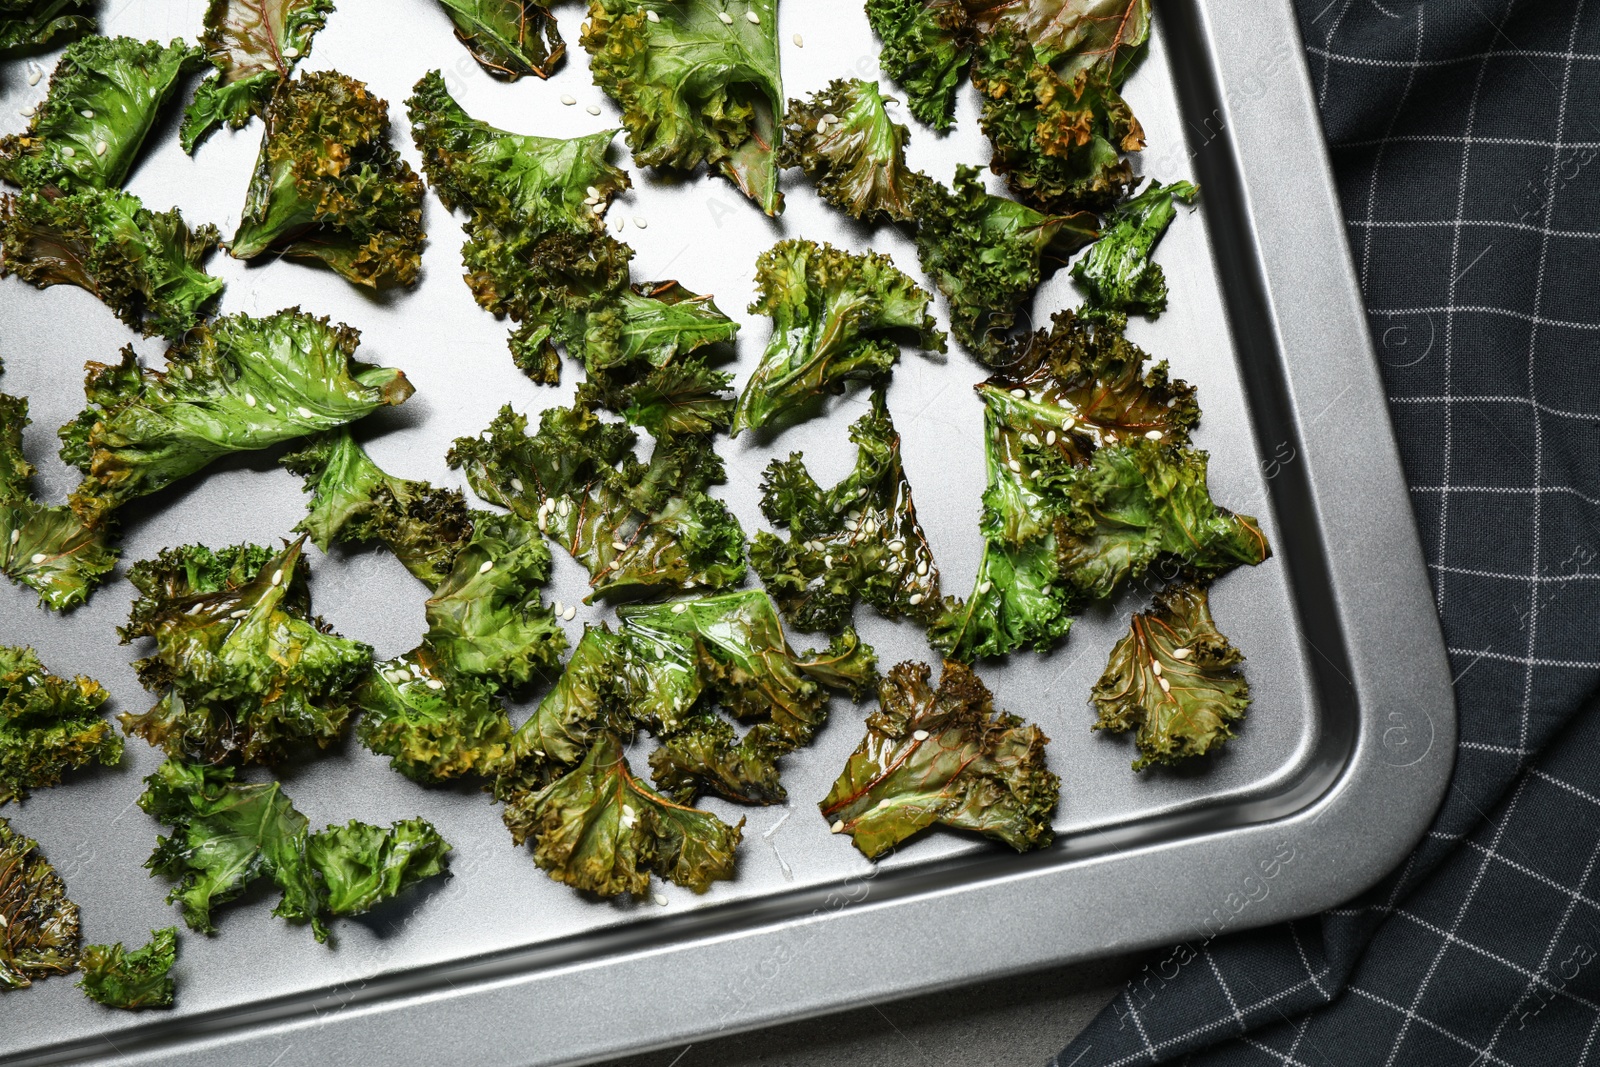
[[1332, 778]]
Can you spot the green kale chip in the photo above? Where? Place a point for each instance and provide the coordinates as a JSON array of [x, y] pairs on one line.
[[698, 83], [646, 327], [1174, 680], [227, 834], [146, 266], [105, 96], [942, 756], [1117, 271], [845, 142], [29, 24], [600, 829], [41, 925], [133, 980], [329, 186], [242, 667], [253, 46], [433, 724], [355, 501], [486, 621], [235, 384], [636, 527], [48, 725], [1075, 388], [987, 254], [1050, 73], [927, 45], [45, 547], [508, 38], [835, 318], [859, 539]]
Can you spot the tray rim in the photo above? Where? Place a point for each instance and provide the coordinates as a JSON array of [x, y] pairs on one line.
[[1366, 818]]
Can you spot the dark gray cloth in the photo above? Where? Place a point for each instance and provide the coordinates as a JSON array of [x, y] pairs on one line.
[[1464, 136]]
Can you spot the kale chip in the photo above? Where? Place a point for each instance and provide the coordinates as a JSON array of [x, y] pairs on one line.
[[927, 46], [845, 142], [42, 929], [1117, 271], [48, 725], [133, 980], [508, 38], [30, 24], [254, 46]]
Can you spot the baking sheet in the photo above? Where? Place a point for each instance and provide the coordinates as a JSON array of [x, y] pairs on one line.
[[703, 233]]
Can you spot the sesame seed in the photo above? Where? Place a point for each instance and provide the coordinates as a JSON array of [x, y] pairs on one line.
[[658, 898], [238, 613], [1015, 467], [516, 487], [922, 568], [914, 599], [919, 735], [593, 192], [753, 18], [277, 576], [16, 535], [1155, 667], [1020, 394], [435, 684], [303, 411], [557, 607], [86, 113], [250, 400], [984, 586], [34, 76], [652, 16], [622, 220], [727, 19], [568, 99], [99, 148], [679, 609], [828, 116], [799, 41], [570, 614], [291, 53], [68, 151], [837, 827], [593, 109], [640, 221], [564, 506], [1166, 686], [486, 566], [897, 545], [1180, 653], [1152, 435], [1068, 422], [620, 546], [1035, 474], [38, 558], [1111, 438], [25, 112], [1050, 438], [272, 407]]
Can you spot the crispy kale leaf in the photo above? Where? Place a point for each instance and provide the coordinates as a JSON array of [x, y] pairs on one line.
[[844, 140], [1077, 387], [698, 83], [133, 980], [254, 46], [1174, 680], [835, 317], [486, 621], [227, 834], [636, 527], [105, 95], [927, 45], [29, 24], [48, 725], [241, 666], [987, 255], [1117, 271], [942, 756], [859, 539], [328, 185], [232, 385], [146, 266], [433, 725], [354, 500], [508, 38], [39, 926], [44, 547], [600, 829]]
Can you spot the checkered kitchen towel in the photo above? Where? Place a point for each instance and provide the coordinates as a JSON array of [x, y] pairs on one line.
[[1466, 138]]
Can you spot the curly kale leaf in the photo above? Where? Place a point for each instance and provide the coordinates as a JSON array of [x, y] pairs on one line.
[[1138, 503], [510, 467], [592, 695], [328, 185], [508, 38], [254, 46], [927, 45], [845, 142], [146, 266], [835, 317], [987, 254], [1117, 271], [30, 24], [600, 829], [942, 756], [1174, 680], [236, 384], [45, 547], [647, 325], [242, 667], [105, 96], [354, 500], [486, 621], [41, 925], [698, 83], [682, 397], [859, 539], [132, 981], [433, 725], [48, 725], [227, 834]]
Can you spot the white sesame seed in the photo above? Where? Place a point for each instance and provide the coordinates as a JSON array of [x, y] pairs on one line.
[[754, 18], [1015, 467], [435, 684], [658, 899], [516, 487], [1035, 474], [1111, 438], [1166, 686], [897, 545], [851, 526], [239, 614], [16, 535], [1152, 435], [853, 515], [828, 116], [922, 568], [303, 411], [622, 220], [1068, 422], [593, 109], [38, 558], [99, 148], [837, 827], [568, 99], [570, 614], [86, 113], [620, 546], [25, 112], [679, 609], [984, 586], [34, 76], [68, 151], [914, 599], [1020, 394], [486, 566], [640, 221], [652, 16], [1050, 438], [291, 53], [272, 407], [919, 735], [799, 41], [250, 400], [557, 607], [1180, 653], [564, 506], [1155, 667], [594, 194], [277, 576], [727, 19]]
